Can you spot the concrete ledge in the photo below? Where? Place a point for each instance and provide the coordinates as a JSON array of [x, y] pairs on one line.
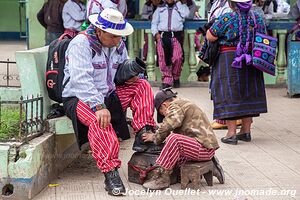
[[60, 126], [25, 170], [32, 69]]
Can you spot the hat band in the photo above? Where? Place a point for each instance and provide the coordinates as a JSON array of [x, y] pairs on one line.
[[107, 24]]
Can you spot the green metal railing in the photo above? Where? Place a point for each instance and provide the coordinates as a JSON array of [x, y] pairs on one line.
[[8, 77], [21, 121]]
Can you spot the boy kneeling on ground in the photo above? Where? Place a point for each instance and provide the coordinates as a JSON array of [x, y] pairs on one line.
[[188, 136]]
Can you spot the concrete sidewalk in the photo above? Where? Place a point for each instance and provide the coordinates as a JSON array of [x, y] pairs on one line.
[[258, 170]]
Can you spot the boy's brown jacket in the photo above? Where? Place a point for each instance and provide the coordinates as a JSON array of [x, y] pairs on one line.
[[186, 118]]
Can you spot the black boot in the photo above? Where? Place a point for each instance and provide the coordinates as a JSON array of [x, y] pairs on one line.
[[176, 83], [139, 145], [113, 183]]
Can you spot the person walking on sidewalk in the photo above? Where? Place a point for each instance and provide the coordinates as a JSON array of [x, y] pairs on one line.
[[188, 136], [92, 60]]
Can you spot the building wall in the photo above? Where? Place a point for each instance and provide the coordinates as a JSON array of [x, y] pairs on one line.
[[10, 19], [36, 30]]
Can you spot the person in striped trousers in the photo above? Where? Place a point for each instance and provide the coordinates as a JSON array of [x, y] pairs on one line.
[[167, 28], [92, 99], [187, 134]]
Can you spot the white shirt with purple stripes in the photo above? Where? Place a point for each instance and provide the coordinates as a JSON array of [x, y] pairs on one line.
[[73, 15], [218, 8], [167, 18], [96, 6], [91, 77]]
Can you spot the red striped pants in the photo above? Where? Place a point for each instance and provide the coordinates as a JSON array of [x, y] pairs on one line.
[[170, 73], [180, 148], [104, 142]]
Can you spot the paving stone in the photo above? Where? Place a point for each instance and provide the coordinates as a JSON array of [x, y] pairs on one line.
[[70, 195], [74, 187]]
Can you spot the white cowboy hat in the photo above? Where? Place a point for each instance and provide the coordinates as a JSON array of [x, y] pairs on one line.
[[240, 1], [111, 21]]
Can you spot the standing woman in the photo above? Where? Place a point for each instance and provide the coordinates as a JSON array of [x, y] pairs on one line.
[[237, 87]]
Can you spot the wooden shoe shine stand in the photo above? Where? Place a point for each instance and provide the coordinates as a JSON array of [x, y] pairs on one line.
[[141, 168]]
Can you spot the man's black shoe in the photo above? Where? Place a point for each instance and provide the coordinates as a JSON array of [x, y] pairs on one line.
[[218, 171], [153, 148], [113, 183], [139, 145]]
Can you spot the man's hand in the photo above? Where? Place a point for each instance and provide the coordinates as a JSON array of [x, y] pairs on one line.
[[148, 137], [157, 36], [103, 117]]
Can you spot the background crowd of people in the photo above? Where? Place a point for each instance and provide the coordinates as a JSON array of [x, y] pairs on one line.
[[67, 16]]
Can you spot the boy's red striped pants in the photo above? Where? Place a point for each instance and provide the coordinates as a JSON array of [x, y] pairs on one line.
[[180, 148]]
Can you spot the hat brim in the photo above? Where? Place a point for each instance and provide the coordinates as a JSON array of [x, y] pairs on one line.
[[124, 32]]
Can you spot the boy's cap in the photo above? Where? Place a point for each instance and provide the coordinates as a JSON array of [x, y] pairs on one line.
[[160, 97]]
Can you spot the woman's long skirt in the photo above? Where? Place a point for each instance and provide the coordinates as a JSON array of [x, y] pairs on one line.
[[236, 92]]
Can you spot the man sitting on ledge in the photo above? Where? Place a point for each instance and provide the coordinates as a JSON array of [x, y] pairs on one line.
[[90, 94]]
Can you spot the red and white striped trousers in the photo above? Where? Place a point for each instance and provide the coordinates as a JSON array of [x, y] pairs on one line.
[[180, 148], [104, 142], [170, 73]]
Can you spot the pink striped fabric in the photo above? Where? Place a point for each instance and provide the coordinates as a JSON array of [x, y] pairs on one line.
[[140, 98], [221, 121], [180, 148], [104, 142], [71, 33], [176, 59], [145, 47], [170, 73]]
